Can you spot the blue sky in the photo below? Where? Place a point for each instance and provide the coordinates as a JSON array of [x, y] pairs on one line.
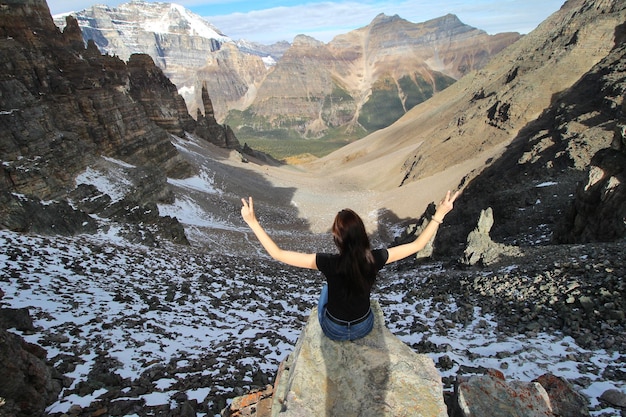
[[271, 21]]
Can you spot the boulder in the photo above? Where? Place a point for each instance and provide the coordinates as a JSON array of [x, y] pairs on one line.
[[377, 375], [490, 395], [412, 231], [614, 398], [564, 399], [28, 383]]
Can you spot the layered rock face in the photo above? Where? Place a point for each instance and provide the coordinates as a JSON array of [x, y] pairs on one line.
[[65, 106], [190, 51], [366, 79]]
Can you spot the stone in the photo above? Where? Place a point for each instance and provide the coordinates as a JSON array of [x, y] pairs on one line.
[[28, 383], [377, 375], [564, 400], [18, 318], [615, 398], [490, 395], [257, 403]]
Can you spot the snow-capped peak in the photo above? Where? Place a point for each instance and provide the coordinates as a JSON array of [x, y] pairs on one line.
[[141, 15], [175, 18]]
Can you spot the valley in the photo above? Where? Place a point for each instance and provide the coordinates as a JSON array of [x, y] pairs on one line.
[[131, 286]]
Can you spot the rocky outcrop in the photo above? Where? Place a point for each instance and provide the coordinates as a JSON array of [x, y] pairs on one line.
[[412, 231], [377, 375], [207, 126], [491, 395], [28, 383], [598, 213], [67, 106], [481, 249], [163, 105]]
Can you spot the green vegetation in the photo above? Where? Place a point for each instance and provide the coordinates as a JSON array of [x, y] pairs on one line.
[[383, 107], [281, 149], [283, 137], [415, 91], [339, 95]]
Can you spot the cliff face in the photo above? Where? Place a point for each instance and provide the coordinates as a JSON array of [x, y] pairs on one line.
[[190, 51], [66, 105], [366, 79]]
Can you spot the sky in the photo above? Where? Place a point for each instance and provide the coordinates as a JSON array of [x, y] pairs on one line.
[[271, 21]]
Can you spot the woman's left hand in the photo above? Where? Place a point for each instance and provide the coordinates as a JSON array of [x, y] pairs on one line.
[[446, 205], [247, 211]]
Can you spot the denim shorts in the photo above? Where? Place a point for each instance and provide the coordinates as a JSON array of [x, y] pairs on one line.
[[344, 331]]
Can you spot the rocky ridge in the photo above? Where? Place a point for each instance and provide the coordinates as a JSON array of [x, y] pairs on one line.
[[69, 106]]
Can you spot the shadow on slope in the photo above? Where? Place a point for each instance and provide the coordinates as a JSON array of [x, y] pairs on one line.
[[531, 186]]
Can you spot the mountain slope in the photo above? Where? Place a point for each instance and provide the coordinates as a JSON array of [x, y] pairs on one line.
[[66, 110], [366, 79], [452, 137]]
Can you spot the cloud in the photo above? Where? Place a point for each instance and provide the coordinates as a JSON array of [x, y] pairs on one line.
[[256, 21], [325, 20], [321, 21]]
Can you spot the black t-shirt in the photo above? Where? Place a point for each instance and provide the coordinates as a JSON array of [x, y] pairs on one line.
[[337, 306]]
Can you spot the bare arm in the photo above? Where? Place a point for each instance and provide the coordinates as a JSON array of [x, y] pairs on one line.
[[400, 252], [299, 259]]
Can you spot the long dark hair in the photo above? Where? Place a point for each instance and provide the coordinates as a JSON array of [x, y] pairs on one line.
[[356, 259]]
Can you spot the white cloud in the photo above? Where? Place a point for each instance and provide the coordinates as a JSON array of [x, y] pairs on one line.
[[325, 20]]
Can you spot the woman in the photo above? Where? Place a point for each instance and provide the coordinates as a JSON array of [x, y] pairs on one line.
[[344, 305]]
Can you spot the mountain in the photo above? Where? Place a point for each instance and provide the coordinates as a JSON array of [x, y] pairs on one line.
[[537, 112], [190, 51], [366, 79], [68, 110], [102, 152], [359, 82]]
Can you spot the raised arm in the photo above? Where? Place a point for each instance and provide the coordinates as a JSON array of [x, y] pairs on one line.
[[400, 252], [299, 259]]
